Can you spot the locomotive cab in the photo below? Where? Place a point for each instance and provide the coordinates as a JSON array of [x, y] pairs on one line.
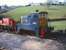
[[28, 24]]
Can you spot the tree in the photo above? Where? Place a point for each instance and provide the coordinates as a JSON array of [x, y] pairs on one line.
[[6, 6], [60, 3], [0, 7]]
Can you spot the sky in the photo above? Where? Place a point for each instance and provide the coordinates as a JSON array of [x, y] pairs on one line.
[[61, 0], [20, 2], [65, 0], [58, 0]]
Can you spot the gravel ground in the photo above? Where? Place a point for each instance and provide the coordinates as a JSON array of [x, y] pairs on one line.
[[18, 42], [60, 37]]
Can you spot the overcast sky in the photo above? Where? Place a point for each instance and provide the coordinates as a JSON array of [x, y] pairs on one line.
[[57, 0], [61, 0], [65, 0], [20, 2]]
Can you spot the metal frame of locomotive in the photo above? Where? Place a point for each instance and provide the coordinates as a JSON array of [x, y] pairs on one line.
[[7, 24], [34, 24]]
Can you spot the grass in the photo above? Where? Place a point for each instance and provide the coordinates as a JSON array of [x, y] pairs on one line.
[[21, 11], [56, 11], [58, 25], [53, 11]]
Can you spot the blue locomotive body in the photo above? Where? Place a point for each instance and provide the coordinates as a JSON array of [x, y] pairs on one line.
[[29, 22]]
